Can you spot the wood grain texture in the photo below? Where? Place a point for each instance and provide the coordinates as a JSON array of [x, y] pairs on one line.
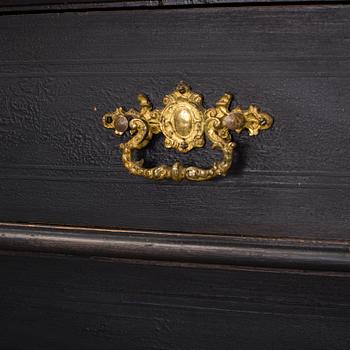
[[56, 302], [58, 165]]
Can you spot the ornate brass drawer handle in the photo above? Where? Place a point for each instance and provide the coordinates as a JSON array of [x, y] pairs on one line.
[[184, 123]]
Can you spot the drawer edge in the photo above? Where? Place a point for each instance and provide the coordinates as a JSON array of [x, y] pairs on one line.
[[17, 7], [177, 247]]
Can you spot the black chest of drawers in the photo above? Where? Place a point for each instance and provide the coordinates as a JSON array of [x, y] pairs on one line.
[[93, 257]]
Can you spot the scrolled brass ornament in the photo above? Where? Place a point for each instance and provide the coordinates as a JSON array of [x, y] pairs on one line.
[[185, 124]]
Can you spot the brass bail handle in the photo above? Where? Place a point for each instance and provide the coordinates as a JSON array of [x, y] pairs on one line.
[[185, 124]]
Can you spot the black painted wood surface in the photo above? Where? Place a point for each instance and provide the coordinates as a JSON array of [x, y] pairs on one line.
[[25, 6], [298, 254], [60, 72], [56, 302]]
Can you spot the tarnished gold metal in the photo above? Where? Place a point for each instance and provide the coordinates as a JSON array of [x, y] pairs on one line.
[[185, 124]]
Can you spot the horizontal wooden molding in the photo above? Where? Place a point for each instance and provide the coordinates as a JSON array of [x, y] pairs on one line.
[[8, 7], [178, 247]]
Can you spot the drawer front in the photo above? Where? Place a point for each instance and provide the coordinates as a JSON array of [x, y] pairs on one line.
[[76, 303], [60, 72]]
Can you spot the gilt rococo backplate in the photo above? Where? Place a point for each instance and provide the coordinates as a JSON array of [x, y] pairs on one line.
[[185, 124]]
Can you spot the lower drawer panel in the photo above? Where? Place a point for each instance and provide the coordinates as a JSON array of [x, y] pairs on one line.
[[54, 302]]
